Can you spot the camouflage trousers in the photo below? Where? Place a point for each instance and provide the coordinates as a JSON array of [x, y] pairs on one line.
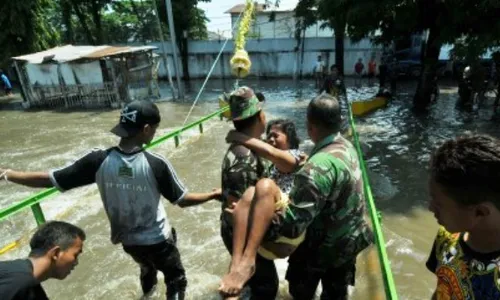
[[303, 277]]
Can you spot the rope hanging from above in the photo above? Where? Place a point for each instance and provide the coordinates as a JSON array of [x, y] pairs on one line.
[[240, 62]]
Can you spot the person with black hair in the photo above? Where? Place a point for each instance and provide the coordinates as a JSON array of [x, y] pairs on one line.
[[131, 181], [325, 214], [55, 248], [282, 149], [333, 84], [382, 71], [319, 71], [260, 96], [465, 200], [281, 132]]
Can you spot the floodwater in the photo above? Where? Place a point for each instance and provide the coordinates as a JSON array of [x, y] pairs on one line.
[[401, 143]]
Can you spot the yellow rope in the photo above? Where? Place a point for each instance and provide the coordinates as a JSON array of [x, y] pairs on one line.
[[24, 238], [244, 26], [9, 247], [240, 62]]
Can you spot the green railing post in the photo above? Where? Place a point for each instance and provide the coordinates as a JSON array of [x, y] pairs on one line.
[[201, 127], [389, 285], [38, 213], [28, 202], [177, 141]]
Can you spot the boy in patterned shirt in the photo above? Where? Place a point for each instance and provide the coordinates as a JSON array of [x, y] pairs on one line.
[[465, 199]]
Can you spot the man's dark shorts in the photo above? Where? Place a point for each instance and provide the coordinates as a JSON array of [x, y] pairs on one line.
[[164, 257]]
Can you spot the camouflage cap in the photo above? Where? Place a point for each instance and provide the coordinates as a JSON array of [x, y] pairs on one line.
[[244, 104]]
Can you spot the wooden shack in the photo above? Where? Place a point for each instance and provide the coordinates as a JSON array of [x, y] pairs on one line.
[[88, 76]]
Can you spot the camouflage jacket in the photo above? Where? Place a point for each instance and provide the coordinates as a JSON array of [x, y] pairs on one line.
[[328, 201], [241, 169]]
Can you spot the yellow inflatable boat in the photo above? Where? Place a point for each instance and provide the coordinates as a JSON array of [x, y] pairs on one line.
[[363, 107]]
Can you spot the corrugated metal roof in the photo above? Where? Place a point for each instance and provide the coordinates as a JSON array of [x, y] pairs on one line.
[[60, 54], [108, 51], [111, 51], [70, 52]]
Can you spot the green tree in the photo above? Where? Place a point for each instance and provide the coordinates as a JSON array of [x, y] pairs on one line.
[[334, 14], [25, 28], [190, 23], [357, 19], [496, 59], [471, 25], [79, 21], [122, 21], [29, 25], [132, 21]]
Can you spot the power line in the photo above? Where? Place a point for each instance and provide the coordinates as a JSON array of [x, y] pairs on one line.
[[260, 23], [219, 17], [210, 72]]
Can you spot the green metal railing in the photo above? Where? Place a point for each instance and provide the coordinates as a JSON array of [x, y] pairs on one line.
[[389, 285], [33, 202]]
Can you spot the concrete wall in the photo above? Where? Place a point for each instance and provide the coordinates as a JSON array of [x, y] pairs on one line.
[[270, 57]]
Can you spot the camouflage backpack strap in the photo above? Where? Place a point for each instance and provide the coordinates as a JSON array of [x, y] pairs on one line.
[[262, 167]]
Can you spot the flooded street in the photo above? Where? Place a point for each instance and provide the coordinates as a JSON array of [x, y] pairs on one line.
[[401, 144]]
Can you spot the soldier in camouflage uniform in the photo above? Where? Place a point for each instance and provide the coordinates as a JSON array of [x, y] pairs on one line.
[[328, 202], [241, 169]]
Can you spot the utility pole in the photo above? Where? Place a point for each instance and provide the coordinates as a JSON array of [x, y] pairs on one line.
[[170, 17], [164, 51]]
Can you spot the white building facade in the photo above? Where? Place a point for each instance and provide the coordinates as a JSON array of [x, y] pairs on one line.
[[283, 25]]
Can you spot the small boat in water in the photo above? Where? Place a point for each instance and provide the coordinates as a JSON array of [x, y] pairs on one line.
[[363, 107]]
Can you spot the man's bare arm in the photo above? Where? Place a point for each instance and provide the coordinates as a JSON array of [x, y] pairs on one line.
[[31, 179]]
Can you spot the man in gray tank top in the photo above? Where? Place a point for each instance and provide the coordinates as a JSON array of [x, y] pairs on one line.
[[131, 182]]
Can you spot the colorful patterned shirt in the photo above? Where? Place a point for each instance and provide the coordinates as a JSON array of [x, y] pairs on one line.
[[463, 273], [285, 180]]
